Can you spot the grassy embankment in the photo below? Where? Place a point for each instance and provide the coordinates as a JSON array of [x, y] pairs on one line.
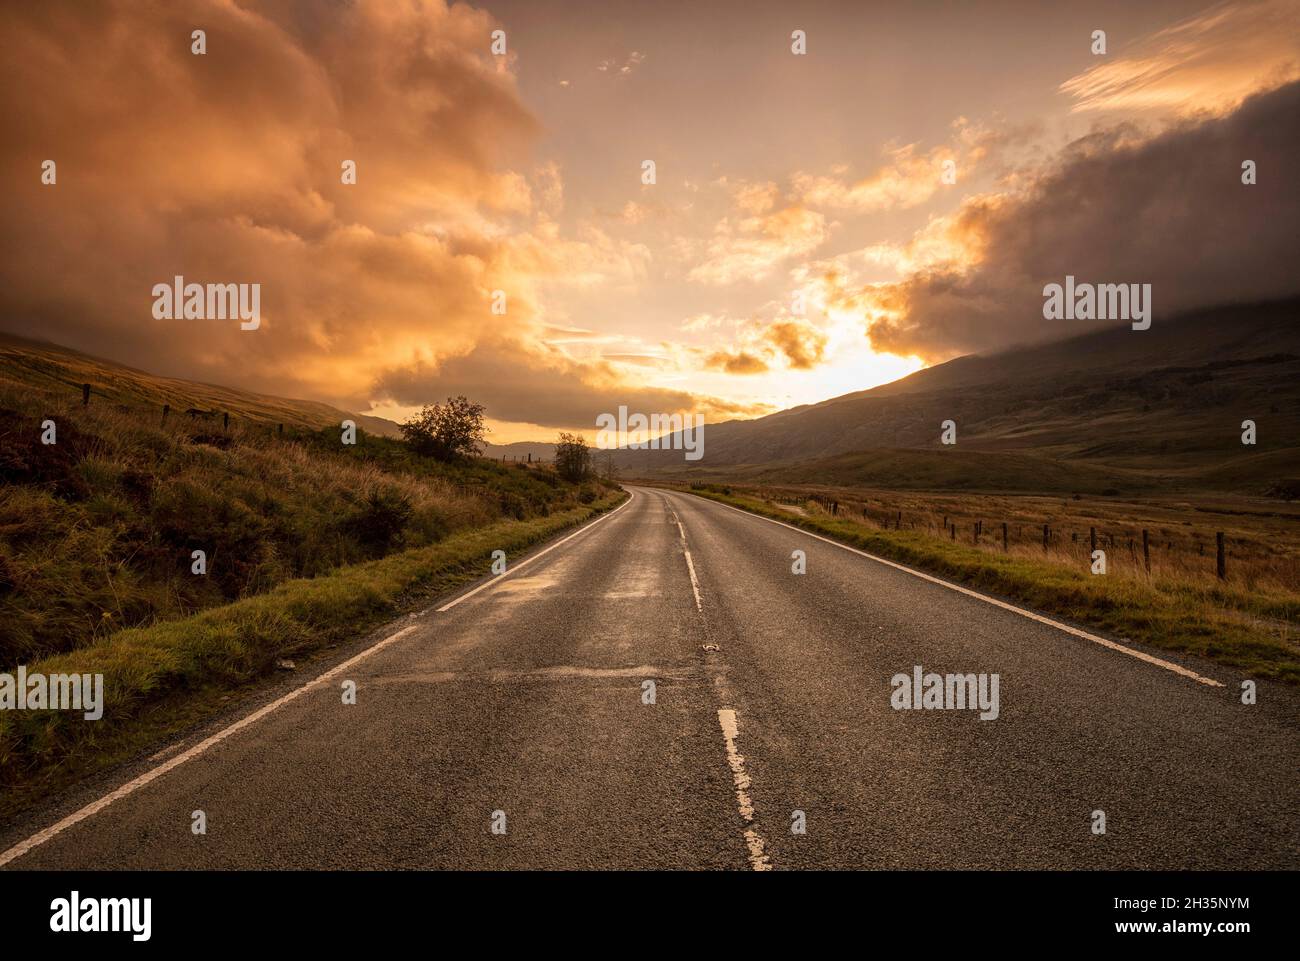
[[1247, 622], [309, 543]]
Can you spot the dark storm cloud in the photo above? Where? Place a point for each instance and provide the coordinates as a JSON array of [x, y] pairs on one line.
[[519, 384], [1170, 211]]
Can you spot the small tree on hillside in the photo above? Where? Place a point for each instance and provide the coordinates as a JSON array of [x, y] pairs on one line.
[[446, 431], [572, 457]]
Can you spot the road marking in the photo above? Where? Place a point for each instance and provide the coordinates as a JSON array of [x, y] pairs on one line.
[[758, 860], [524, 563], [690, 565], [130, 787], [39, 838], [695, 584], [1076, 632]]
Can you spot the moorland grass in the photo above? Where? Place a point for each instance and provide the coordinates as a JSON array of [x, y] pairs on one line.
[[1252, 631], [172, 673]]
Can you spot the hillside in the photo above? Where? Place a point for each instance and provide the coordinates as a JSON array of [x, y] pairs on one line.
[[1114, 409], [97, 530], [62, 371]]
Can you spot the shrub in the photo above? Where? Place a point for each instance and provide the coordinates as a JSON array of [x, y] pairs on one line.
[[572, 458], [379, 523], [446, 431]]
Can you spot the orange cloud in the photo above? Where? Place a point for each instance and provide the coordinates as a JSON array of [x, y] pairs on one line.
[[1207, 63], [226, 168], [752, 246], [803, 345], [908, 177], [735, 362]]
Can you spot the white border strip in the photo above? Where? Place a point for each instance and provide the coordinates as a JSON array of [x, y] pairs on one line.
[[1141, 656], [130, 787], [500, 577]]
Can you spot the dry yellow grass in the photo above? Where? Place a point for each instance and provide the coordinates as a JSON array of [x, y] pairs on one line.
[[97, 531], [1248, 621]]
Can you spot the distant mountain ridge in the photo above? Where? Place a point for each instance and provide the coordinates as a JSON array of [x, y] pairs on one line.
[[1163, 405], [1118, 408]]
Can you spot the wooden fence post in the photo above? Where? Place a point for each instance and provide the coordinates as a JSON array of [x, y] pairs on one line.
[[85, 395], [1092, 539], [225, 420], [1221, 567], [1046, 534], [167, 408], [1146, 550], [1004, 535]]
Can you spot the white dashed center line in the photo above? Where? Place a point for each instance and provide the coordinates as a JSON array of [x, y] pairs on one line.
[[690, 565], [758, 859]]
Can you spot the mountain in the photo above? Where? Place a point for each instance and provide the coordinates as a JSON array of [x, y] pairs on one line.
[[44, 366], [1115, 410], [1118, 408]]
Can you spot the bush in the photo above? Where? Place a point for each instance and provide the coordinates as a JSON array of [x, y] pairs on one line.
[[572, 458], [379, 524], [446, 431]]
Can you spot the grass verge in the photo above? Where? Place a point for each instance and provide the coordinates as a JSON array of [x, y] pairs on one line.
[[1216, 624], [160, 679]]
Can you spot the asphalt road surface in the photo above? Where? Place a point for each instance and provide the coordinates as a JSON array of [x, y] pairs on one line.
[[522, 707]]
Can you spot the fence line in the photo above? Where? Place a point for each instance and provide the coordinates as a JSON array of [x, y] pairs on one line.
[[1049, 536]]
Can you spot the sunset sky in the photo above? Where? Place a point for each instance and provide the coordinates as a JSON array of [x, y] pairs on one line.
[[779, 177]]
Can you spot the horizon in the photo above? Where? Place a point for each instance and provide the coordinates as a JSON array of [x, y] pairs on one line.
[[626, 441]]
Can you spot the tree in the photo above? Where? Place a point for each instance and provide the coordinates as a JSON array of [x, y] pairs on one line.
[[572, 457], [446, 431]]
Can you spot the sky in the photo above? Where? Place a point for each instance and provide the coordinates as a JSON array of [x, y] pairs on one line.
[[799, 239]]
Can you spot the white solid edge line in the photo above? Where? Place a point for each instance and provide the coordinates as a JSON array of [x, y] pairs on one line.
[[130, 787], [1141, 656], [528, 560]]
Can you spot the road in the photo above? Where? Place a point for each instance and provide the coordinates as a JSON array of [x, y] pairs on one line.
[[523, 704]]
